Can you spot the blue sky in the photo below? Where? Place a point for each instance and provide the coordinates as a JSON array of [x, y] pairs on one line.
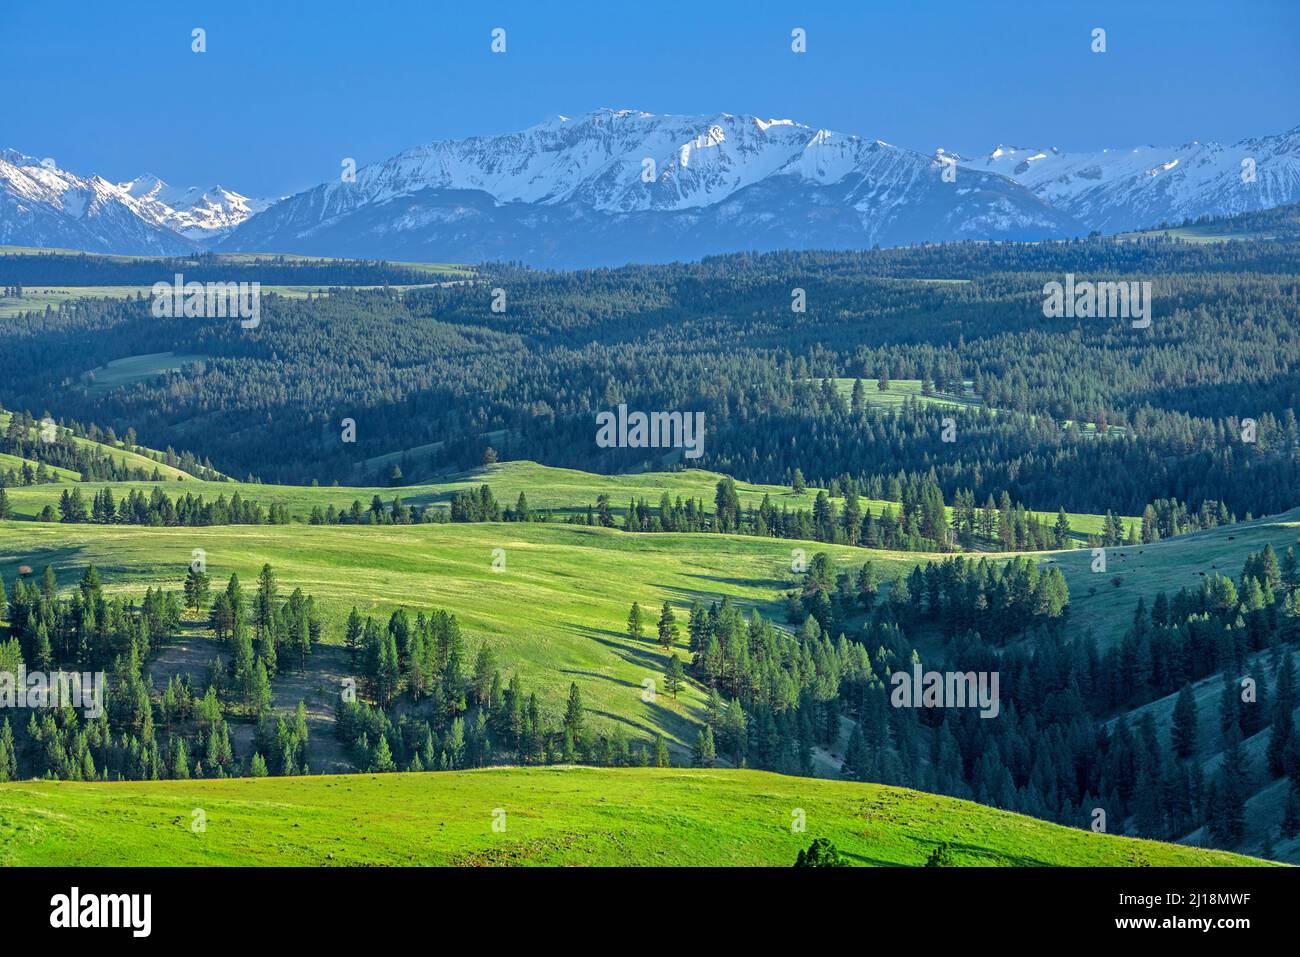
[[287, 88]]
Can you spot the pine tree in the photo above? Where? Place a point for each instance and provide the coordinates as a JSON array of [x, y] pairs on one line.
[[941, 856], [8, 753], [667, 627], [1062, 529], [382, 760], [1184, 729], [1283, 731], [197, 588], [1228, 820], [673, 676], [634, 625], [705, 754], [661, 759], [574, 719], [352, 638], [821, 853], [1291, 819]]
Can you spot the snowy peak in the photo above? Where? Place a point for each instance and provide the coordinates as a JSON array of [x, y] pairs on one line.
[[42, 204], [1134, 187], [617, 185], [195, 213], [618, 161]]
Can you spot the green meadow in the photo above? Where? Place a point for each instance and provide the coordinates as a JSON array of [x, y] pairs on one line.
[[556, 611], [551, 816], [901, 391], [561, 492], [38, 298]]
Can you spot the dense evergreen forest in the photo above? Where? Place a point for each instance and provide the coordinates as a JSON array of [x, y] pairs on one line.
[[1085, 414]]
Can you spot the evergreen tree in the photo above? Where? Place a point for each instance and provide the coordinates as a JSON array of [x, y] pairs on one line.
[[661, 759], [197, 589], [667, 627], [941, 856], [1184, 727], [352, 637], [574, 719], [821, 853], [673, 676], [705, 754]]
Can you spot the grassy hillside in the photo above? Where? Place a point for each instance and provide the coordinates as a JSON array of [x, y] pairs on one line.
[[139, 458], [16, 463], [562, 492], [1099, 604], [557, 612], [133, 369], [553, 816]]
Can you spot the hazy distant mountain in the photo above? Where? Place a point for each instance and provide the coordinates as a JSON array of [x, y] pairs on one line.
[[1117, 189], [617, 186], [43, 205]]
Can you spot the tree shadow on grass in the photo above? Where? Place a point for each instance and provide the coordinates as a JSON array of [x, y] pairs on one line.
[[985, 857], [627, 650], [596, 675], [779, 584], [63, 559]]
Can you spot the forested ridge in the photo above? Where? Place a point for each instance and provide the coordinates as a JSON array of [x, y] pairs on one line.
[[1086, 414]]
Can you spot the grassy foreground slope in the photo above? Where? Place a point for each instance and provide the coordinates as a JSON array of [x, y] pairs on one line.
[[553, 816]]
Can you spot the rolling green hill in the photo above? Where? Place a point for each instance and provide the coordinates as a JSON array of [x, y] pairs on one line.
[[137, 457], [563, 492], [552, 816], [1104, 602], [557, 612]]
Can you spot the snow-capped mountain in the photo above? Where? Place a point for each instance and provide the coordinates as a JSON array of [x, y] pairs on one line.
[[44, 205], [197, 214], [1117, 189], [613, 186]]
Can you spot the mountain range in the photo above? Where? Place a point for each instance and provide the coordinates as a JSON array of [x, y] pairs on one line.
[[44, 205], [614, 186]]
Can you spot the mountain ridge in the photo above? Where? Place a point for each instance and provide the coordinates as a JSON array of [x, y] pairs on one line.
[[614, 186]]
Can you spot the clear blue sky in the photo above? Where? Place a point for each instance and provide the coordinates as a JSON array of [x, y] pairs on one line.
[[287, 88]]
